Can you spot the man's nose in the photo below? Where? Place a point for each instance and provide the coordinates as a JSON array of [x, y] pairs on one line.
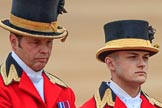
[[44, 49], [141, 62]]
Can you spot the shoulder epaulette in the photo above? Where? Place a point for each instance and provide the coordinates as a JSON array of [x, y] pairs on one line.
[[55, 80], [153, 100]]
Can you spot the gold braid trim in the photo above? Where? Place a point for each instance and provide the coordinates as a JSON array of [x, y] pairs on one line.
[[129, 42], [33, 25], [153, 101], [12, 75], [55, 80], [107, 99]]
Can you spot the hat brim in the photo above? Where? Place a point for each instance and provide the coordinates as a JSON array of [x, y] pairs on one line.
[[61, 32], [125, 44]]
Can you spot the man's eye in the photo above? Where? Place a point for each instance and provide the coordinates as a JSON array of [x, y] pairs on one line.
[[132, 56], [146, 58], [49, 42], [35, 42]]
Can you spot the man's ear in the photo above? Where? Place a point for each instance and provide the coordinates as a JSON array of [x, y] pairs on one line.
[[13, 41], [110, 63]]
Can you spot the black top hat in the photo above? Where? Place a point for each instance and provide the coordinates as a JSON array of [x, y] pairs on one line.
[[36, 18], [127, 35]]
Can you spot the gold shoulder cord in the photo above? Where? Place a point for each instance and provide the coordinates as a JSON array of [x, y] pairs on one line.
[[107, 99], [55, 80], [153, 101]]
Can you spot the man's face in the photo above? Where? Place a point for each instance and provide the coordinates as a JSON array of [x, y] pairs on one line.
[[130, 67], [35, 52]]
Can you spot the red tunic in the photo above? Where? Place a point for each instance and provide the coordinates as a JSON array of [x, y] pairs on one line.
[[17, 90], [106, 98]]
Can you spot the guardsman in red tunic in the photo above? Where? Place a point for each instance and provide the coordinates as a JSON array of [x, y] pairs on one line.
[[23, 81], [126, 53], [106, 98]]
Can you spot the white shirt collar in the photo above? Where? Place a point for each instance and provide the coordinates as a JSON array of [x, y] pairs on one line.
[[26, 68], [125, 97]]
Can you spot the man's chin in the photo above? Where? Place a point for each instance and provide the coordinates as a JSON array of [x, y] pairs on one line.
[[141, 81], [39, 67]]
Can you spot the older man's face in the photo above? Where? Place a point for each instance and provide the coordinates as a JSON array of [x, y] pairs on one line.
[[35, 52]]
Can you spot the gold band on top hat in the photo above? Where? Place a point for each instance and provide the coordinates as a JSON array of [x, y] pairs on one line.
[[128, 43], [32, 25]]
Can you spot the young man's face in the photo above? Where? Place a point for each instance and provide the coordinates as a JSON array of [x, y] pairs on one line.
[[35, 52], [129, 67]]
